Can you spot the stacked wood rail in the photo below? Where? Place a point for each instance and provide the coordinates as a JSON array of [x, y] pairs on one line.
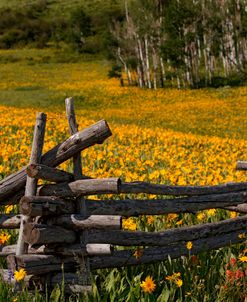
[[67, 234]]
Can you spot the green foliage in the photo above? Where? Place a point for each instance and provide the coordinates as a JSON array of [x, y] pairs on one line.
[[115, 72], [84, 26]]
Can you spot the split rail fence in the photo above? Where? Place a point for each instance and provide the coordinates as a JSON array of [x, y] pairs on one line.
[[63, 235]]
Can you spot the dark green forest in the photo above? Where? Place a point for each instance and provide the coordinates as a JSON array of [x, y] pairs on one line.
[[152, 43]]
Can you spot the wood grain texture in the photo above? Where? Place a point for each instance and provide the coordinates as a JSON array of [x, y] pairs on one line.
[[191, 204], [81, 222], [39, 171], [42, 234], [45, 206], [157, 254], [82, 187], [171, 236], [145, 187], [31, 183]]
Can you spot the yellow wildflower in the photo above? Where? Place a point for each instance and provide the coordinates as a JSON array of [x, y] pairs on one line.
[[148, 285], [243, 259], [8, 209], [172, 216], [200, 216], [233, 214], [138, 253], [189, 245], [4, 237], [211, 212], [129, 224], [241, 236], [20, 275], [150, 219], [173, 277], [179, 282]]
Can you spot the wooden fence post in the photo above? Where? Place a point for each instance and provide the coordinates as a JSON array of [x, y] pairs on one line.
[[31, 184], [81, 205]]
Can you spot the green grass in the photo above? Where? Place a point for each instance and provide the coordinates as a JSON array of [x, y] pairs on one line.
[[55, 6]]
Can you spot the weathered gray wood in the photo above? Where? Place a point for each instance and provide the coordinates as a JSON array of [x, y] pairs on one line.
[[40, 264], [37, 147], [145, 187], [42, 234], [6, 276], [10, 221], [11, 250], [63, 250], [241, 165], [71, 283], [171, 236], [82, 187], [95, 134], [81, 208], [156, 254], [80, 222], [163, 206], [48, 173], [241, 208], [14, 199], [79, 249], [31, 183], [73, 129], [45, 205]]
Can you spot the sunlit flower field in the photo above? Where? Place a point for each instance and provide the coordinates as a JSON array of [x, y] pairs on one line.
[[187, 137]]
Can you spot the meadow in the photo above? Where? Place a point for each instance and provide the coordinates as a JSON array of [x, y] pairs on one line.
[[165, 136]]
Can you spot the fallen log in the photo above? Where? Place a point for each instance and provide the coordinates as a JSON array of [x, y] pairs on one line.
[[90, 136], [156, 254], [80, 222], [145, 187], [48, 173], [137, 207], [45, 205], [82, 187], [241, 165], [42, 234], [139, 238]]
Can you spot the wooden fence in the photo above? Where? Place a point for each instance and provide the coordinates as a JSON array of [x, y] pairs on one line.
[[61, 232]]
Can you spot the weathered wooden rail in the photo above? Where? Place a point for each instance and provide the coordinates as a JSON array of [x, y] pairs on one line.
[[60, 226]]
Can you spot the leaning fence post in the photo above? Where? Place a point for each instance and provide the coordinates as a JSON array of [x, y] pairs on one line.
[[31, 184]]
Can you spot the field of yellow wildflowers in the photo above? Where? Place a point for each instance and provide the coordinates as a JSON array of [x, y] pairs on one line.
[[165, 136]]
